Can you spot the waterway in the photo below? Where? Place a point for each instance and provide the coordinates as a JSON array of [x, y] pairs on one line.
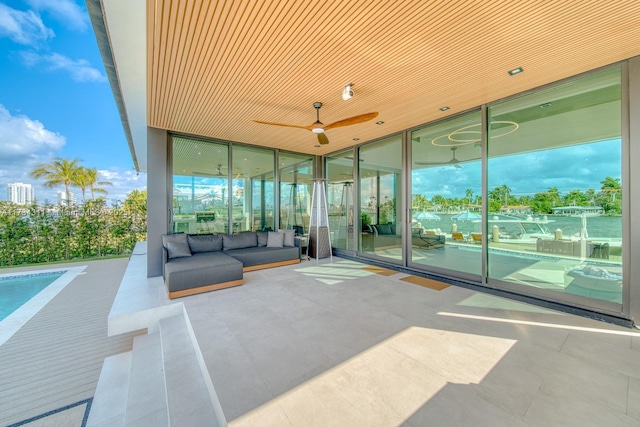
[[597, 226]]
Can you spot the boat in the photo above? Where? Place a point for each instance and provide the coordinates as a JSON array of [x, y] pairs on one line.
[[527, 231], [512, 229], [578, 211]]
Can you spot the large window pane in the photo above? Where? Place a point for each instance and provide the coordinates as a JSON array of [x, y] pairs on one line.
[[554, 179], [252, 192], [200, 186], [296, 173], [446, 195], [380, 166], [339, 170]]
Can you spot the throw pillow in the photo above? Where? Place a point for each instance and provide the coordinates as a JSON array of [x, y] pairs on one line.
[[176, 245], [289, 235], [262, 238], [275, 240]]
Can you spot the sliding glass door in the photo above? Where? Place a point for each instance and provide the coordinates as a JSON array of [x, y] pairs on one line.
[[446, 196], [380, 183], [554, 181]]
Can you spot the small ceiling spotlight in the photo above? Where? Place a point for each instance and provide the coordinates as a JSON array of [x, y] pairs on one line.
[[515, 71], [380, 122], [445, 108], [347, 92], [356, 139]]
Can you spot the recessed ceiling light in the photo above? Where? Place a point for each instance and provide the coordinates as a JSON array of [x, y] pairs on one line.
[[445, 108], [380, 122], [515, 71], [356, 139], [317, 146]]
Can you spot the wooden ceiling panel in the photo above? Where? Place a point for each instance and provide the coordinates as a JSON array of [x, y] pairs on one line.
[[215, 66]]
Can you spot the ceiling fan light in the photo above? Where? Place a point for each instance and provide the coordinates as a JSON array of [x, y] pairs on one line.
[[317, 129]]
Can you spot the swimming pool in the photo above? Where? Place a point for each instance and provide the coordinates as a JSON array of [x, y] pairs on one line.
[[23, 295], [16, 290]]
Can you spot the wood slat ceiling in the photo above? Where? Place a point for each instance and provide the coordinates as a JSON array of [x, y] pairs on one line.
[[215, 66]]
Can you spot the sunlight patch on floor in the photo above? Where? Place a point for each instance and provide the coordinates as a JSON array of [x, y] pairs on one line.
[[385, 384], [543, 324], [482, 300]]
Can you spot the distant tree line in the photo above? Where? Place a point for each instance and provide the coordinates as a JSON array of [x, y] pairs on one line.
[[40, 234], [542, 203]]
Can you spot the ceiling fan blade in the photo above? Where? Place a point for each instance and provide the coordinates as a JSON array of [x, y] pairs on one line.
[[352, 120], [283, 124], [322, 139]]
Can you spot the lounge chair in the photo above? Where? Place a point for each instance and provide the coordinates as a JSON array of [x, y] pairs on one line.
[[457, 236], [476, 238], [427, 240]]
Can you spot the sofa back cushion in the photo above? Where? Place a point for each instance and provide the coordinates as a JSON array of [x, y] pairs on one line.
[[176, 245], [383, 228], [262, 237], [239, 241], [205, 243]]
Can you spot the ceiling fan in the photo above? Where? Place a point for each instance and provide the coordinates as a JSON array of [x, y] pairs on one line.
[[318, 127], [454, 162]]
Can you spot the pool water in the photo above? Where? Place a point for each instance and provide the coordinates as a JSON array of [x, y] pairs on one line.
[[18, 289]]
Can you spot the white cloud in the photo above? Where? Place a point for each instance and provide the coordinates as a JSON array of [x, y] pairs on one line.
[[24, 143], [66, 12], [23, 27], [22, 137], [80, 70], [124, 182]]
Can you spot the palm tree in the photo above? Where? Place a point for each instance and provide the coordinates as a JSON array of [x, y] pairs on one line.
[[89, 177], [61, 171]]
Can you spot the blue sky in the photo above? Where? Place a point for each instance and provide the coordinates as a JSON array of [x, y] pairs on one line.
[[55, 99]]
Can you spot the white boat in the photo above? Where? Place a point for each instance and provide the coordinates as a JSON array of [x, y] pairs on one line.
[[511, 229], [578, 211]]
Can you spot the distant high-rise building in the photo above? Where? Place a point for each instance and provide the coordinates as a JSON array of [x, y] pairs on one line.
[[62, 198], [21, 194]]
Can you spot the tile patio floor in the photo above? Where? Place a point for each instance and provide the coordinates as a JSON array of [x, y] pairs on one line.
[[320, 344]]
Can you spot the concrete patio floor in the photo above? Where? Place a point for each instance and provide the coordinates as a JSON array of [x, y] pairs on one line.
[[335, 343], [55, 359]]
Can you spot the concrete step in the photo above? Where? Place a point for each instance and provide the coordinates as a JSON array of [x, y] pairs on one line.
[[147, 399], [110, 399], [189, 389]]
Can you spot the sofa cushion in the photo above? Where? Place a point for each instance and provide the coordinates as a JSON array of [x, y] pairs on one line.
[[262, 238], [260, 256], [239, 241], [176, 245], [275, 240], [202, 269], [289, 235], [204, 243]]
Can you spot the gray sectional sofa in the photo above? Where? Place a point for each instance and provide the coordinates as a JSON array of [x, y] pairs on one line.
[[206, 262]]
